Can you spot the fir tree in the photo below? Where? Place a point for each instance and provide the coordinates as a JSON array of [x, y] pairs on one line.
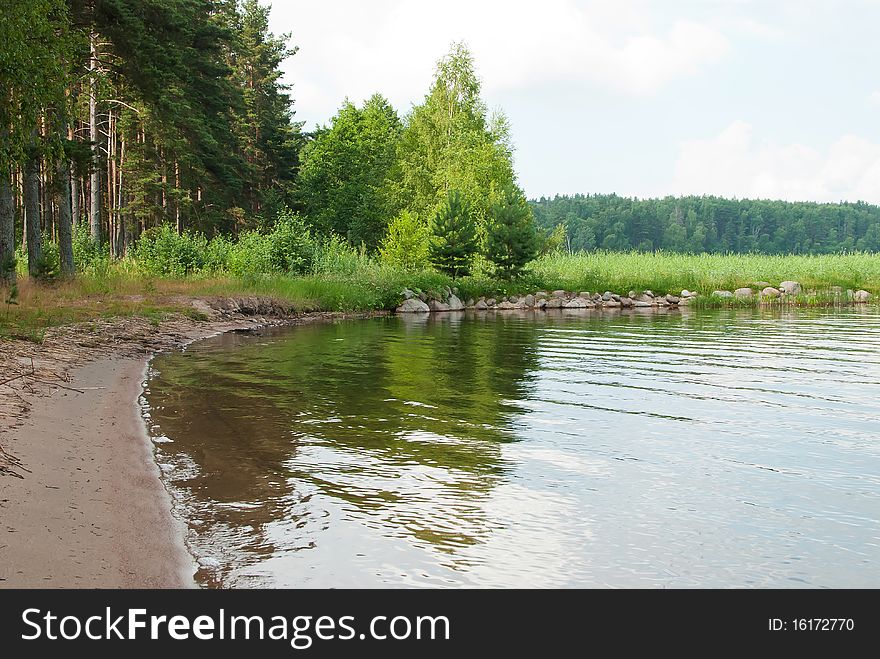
[[512, 239], [454, 240]]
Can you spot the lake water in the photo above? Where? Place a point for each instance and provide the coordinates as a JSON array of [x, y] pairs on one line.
[[569, 449]]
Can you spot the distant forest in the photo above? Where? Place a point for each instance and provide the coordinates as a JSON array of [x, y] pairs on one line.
[[710, 224]]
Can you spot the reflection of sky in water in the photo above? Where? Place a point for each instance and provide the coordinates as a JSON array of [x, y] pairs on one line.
[[710, 449]]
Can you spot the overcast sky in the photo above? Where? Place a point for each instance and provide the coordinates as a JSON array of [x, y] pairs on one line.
[[769, 99]]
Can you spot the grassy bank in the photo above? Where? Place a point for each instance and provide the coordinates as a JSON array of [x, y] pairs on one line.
[[362, 284]]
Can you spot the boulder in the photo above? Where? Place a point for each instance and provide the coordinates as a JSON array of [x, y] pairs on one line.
[[743, 293], [626, 302], [607, 295], [513, 298], [541, 295], [481, 305], [661, 302], [437, 305], [555, 303], [584, 294], [686, 293], [673, 299], [470, 302], [413, 305], [529, 300], [790, 288], [454, 303], [491, 302], [722, 293], [644, 297], [649, 293], [861, 296], [505, 305], [641, 304], [612, 304], [770, 292], [632, 295], [540, 304], [578, 303], [559, 294]]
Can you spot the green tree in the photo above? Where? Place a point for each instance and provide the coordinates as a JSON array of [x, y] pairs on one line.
[[406, 243], [512, 239], [454, 240], [449, 143], [343, 185]]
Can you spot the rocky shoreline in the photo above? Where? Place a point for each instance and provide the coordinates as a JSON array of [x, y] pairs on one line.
[[788, 292]]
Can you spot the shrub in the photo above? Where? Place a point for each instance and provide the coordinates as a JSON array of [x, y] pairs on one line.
[[49, 264], [162, 251], [217, 254], [512, 239], [454, 243], [291, 247], [405, 245], [335, 255], [89, 256]]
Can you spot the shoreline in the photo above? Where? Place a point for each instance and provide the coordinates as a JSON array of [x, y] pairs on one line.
[[82, 501]]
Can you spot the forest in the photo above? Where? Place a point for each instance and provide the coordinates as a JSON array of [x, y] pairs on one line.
[[711, 224]]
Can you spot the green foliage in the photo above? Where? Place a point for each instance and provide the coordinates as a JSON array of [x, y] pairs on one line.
[[405, 245], [555, 241], [162, 251], [454, 240], [48, 267], [449, 143], [343, 181], [512, 239], [334, 255], [288, 249], [711, 224], [89, 255]]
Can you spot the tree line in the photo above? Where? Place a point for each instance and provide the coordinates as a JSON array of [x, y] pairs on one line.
[[710, 224]]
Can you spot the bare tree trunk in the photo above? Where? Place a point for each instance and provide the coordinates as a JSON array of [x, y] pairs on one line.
[[32, 211], [95, 183], [7, 231], [65, 209]]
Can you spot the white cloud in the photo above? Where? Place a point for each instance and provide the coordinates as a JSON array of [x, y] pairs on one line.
[[734, 163], [353, 48], [875, 97]]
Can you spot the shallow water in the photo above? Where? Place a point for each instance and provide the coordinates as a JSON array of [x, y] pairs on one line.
[[701, 449]]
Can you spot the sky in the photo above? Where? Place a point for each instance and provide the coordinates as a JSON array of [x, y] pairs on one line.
[[772, 99]]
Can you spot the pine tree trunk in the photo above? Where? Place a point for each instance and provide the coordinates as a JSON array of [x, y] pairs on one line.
[[65, 210], [7, 230], [95, 182], [32, 212]]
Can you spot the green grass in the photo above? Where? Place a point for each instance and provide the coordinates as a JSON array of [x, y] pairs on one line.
[[121, 290]]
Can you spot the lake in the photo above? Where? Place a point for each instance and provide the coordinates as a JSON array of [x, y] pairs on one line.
[[567, 449]]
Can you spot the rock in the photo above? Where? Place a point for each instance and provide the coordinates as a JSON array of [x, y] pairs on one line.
[[203, 307], [661, 302], [407, 294], [790, 288], [540, 304], [612, 304], [529, 300], [771, 292], [649, 293], [555, 303], [470, 302], [584, 294], [686, 293], [632, 295], [577, 303], [541, 295], [597, 297], [505, 305], [504, 299], [641, 304], [743, 293], [513, 298], [722, 293], [423, 296], [615, 297], [673, 299], [559, 294], [683, 302], [644, 297], [413, 305], [607, 295], [454, 303], [491, 302], [861, 296], [626, 302], [455, 290], [481, 305], [437, 305]]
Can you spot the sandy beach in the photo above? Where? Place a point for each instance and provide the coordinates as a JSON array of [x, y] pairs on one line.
[[81, 499]]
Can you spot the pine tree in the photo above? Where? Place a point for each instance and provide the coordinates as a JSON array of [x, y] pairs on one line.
[[512, 239], [454, 241]]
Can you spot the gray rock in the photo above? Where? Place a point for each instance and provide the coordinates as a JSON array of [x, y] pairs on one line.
[[615, 297], [686, 293], [644, 297], [540, 304], [771, 292], [673, 299], [407, 294], [632, 295], [612, 304], [412, 305], [504, 305], [649, 293], [722, 293], [626, 302], [555, 303], [454, 303], [481, 305], [513, 298], [861, 296], [641, 304], [607, 295], [491, 302], [578, 303], [470, 302], [584, 294], [529, 300], [661, 302], [541, 295], [743, 293], [790, 288], [596, 297], [437, 305], [559, 294]]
